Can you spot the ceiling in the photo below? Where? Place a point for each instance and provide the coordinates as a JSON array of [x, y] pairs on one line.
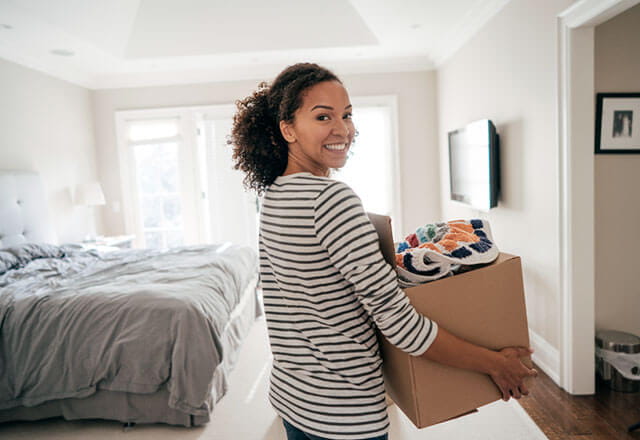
[[132, 43]]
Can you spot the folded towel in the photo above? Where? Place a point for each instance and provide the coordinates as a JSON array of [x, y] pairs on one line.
[[437, 250]]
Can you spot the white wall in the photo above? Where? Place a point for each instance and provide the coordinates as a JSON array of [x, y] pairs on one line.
[[416, 120], [617, 179], [46, 125], [508, 73]]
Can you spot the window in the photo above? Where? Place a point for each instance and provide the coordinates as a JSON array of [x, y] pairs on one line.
[[153, 148], [371, 170], [159, 192], [178, 184]]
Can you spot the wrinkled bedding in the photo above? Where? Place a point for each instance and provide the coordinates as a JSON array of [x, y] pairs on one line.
[[73, 322]]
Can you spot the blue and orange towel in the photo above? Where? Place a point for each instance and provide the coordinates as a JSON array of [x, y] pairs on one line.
[[437, 250]]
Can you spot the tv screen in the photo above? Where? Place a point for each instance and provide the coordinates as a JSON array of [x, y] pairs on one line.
[[474, 166]]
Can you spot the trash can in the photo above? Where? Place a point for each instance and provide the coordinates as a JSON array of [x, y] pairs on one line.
[[618, 360]]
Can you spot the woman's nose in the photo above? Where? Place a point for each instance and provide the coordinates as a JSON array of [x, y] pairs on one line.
[[341, 127]]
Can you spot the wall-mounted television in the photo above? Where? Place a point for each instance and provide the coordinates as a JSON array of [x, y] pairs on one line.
[[474, 165]]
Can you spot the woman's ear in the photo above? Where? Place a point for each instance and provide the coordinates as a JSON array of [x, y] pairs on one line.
[[287, 131]]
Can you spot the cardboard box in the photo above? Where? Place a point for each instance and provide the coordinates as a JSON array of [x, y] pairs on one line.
[[485, 306]]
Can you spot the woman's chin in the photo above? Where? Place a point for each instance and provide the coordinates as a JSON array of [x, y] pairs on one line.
[[337, 165]]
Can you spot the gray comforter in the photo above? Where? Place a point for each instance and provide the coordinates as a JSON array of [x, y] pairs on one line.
[[72, 321]]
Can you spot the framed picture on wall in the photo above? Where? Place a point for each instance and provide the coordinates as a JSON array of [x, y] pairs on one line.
[[618, 123]]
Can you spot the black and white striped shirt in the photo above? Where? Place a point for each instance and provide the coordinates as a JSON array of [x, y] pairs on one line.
[[326, 286]]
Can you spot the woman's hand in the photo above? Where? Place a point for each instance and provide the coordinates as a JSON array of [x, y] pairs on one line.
[[504, 366], [509, 372]]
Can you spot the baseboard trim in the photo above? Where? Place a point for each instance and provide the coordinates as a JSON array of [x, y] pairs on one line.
[[545, 356]]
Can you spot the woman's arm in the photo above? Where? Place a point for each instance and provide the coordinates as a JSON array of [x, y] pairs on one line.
[[351, 242], [504, 366]]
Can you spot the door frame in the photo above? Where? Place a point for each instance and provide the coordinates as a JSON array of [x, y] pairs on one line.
[[576, 114]]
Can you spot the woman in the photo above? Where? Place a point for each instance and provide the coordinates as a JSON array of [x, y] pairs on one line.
[[326, 285]]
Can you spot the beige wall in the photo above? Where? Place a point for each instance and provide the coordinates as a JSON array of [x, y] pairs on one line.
[[617, 179], [415, 92], [508, 73], [46, 126]]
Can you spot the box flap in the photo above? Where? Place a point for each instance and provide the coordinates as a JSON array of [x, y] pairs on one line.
[[382, 224]]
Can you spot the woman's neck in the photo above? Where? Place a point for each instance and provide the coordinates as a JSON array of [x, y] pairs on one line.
[[294, 167]]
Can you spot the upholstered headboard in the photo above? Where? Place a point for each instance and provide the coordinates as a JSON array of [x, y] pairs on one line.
[[23, 209]]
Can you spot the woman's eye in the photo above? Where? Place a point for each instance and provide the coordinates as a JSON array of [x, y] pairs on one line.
[[348, 116], [323, 118]]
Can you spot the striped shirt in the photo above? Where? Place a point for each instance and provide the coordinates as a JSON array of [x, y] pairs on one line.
[[326, 287]]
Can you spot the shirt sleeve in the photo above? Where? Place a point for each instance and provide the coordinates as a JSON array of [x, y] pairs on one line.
[[344, 230]]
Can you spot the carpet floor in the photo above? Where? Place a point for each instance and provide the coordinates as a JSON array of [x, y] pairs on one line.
[[245, 414]]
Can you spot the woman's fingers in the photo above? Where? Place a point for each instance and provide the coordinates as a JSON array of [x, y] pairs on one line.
[[506, 391], [524, 351], [520, 351], [510, 379], [515, 392], [517, 352], [514, 387]]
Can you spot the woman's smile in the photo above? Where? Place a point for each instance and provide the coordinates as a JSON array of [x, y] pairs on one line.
[[336, 147]]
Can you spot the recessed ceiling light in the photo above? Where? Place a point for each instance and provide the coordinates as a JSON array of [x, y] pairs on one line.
[[63, 52], [416, 26], [5, 26]]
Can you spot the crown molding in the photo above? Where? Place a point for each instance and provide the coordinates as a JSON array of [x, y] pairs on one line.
[[262, 72], [594, 12]]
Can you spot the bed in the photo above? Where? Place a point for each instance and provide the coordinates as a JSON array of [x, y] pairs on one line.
[[137, 336]]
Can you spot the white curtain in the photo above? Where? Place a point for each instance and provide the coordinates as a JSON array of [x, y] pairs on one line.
[[232, 209]]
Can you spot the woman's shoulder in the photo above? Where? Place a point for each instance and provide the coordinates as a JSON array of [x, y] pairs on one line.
[[308, 181], [306, 188], [336, 192]]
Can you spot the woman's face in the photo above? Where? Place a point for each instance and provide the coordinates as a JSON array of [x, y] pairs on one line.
[[321, 132]]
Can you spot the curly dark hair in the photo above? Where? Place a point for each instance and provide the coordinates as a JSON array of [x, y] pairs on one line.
[[259, 150]]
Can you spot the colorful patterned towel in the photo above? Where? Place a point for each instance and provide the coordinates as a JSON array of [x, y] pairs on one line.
[[438, 250]]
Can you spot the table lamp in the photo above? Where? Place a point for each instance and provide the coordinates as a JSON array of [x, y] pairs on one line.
[[90, 194]]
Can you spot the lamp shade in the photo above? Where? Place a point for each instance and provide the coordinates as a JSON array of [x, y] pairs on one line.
[[89, 194]]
